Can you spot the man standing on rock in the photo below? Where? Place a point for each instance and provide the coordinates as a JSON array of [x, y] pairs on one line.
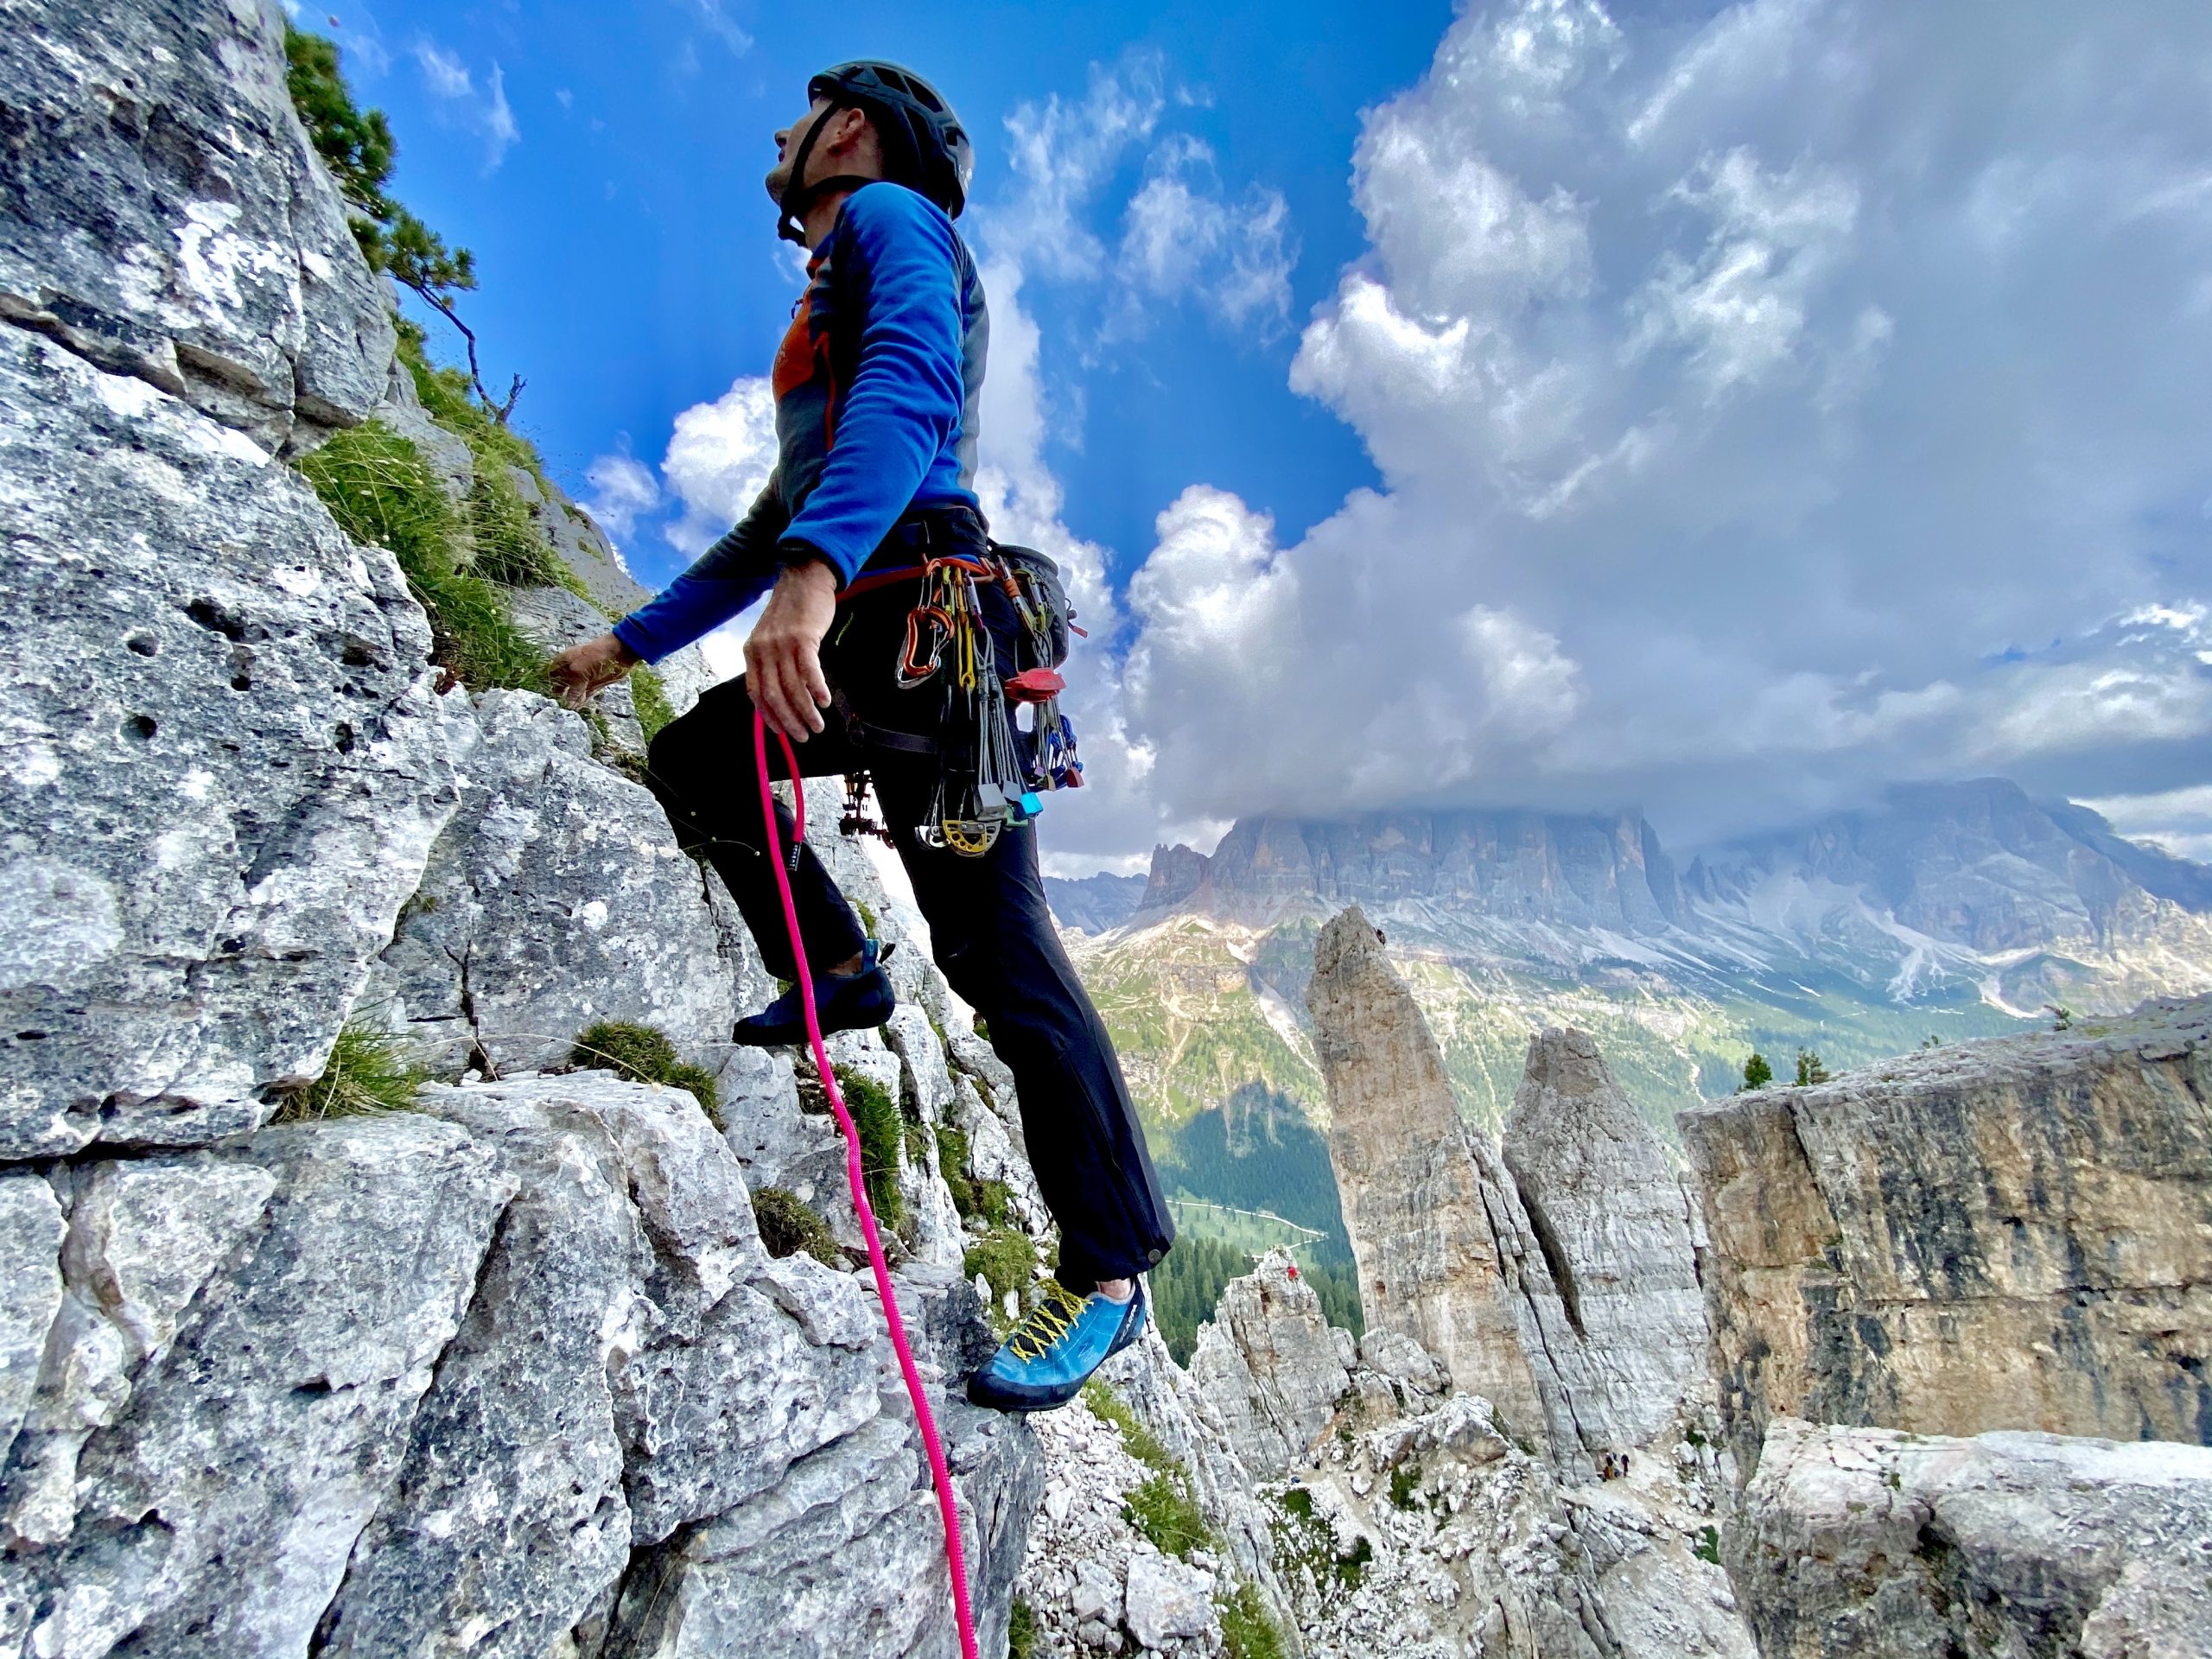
[[876, 388]]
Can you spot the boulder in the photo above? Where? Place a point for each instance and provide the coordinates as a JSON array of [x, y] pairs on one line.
[[1165, 1601], [1866, 1540]]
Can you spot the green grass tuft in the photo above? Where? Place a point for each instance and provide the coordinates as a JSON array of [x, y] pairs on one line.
[[1708, 1547], [504, 543], [1403, 1480], [952, 1156], [367, 1072], [649, 698], [875, 1115], [1139, 1441], [1007, 1260], [1022, 1636], [1247, 1632], [1161, 1510], [644, 1054], [787, 1227], [381, 492]]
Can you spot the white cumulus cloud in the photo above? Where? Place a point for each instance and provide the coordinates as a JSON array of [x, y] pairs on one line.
[[1768, 407]]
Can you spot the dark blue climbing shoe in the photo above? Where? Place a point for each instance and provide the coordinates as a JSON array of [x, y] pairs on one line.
[[1052, 1353], [847, 1004]]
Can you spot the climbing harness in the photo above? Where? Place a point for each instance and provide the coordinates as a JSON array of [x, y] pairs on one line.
[[990, 769], [940, 1473]]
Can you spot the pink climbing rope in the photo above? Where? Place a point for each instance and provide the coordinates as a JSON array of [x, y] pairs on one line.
[[940, 1472]]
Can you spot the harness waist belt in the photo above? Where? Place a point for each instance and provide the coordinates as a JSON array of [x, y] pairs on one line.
[[882, 737]]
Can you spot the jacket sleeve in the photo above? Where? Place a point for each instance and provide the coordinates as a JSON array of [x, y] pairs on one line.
[[905, 399], [722, 582]]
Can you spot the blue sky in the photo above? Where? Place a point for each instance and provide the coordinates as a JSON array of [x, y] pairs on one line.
[[629, 266], [1725, 409]]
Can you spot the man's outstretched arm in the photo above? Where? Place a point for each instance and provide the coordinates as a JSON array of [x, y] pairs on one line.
[[724, 579]]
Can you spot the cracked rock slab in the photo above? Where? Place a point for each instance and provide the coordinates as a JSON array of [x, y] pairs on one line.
[[556, 897], [216, 1512], [162, 213]]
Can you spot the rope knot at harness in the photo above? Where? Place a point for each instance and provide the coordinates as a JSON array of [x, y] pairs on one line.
[[917, 1392]]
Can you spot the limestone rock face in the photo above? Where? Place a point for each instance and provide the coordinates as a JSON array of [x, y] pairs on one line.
[[224, 763], [557, 897], [475, 1378], [217, 1509], [1445, 1250], [1269, 1365], [164, 216], [2014, 1234], [1614, 1223], [1861, 1542]]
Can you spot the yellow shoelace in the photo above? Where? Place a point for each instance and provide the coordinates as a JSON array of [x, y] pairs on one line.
[[1048, 1323]]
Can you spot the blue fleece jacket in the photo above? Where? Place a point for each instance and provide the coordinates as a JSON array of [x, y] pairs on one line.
[[877, 384]]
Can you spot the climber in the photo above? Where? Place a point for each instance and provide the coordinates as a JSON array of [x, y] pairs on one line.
[[876, 386]]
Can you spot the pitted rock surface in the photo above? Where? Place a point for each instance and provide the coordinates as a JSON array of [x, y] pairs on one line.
[[226, 764]]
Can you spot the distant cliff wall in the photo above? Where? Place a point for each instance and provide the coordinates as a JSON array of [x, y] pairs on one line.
[[2013, 1233]]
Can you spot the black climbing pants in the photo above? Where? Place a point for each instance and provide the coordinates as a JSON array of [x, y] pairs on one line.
[[989, 928]]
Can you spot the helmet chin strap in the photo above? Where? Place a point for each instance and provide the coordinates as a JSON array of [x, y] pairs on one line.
[[799, 198]]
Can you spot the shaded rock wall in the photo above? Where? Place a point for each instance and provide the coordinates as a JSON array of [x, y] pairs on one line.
[[2014, 1234], [1614, 1223], [1433, 1229], [1557, 1281]]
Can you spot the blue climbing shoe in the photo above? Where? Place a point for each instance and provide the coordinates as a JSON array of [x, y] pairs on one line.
[[841, 1004], [1053, 1352]]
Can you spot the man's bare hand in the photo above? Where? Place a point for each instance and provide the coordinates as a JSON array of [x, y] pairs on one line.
[[582, 670], [783, 658]]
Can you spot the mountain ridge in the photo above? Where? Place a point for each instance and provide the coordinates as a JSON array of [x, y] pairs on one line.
[[1941, 914]]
